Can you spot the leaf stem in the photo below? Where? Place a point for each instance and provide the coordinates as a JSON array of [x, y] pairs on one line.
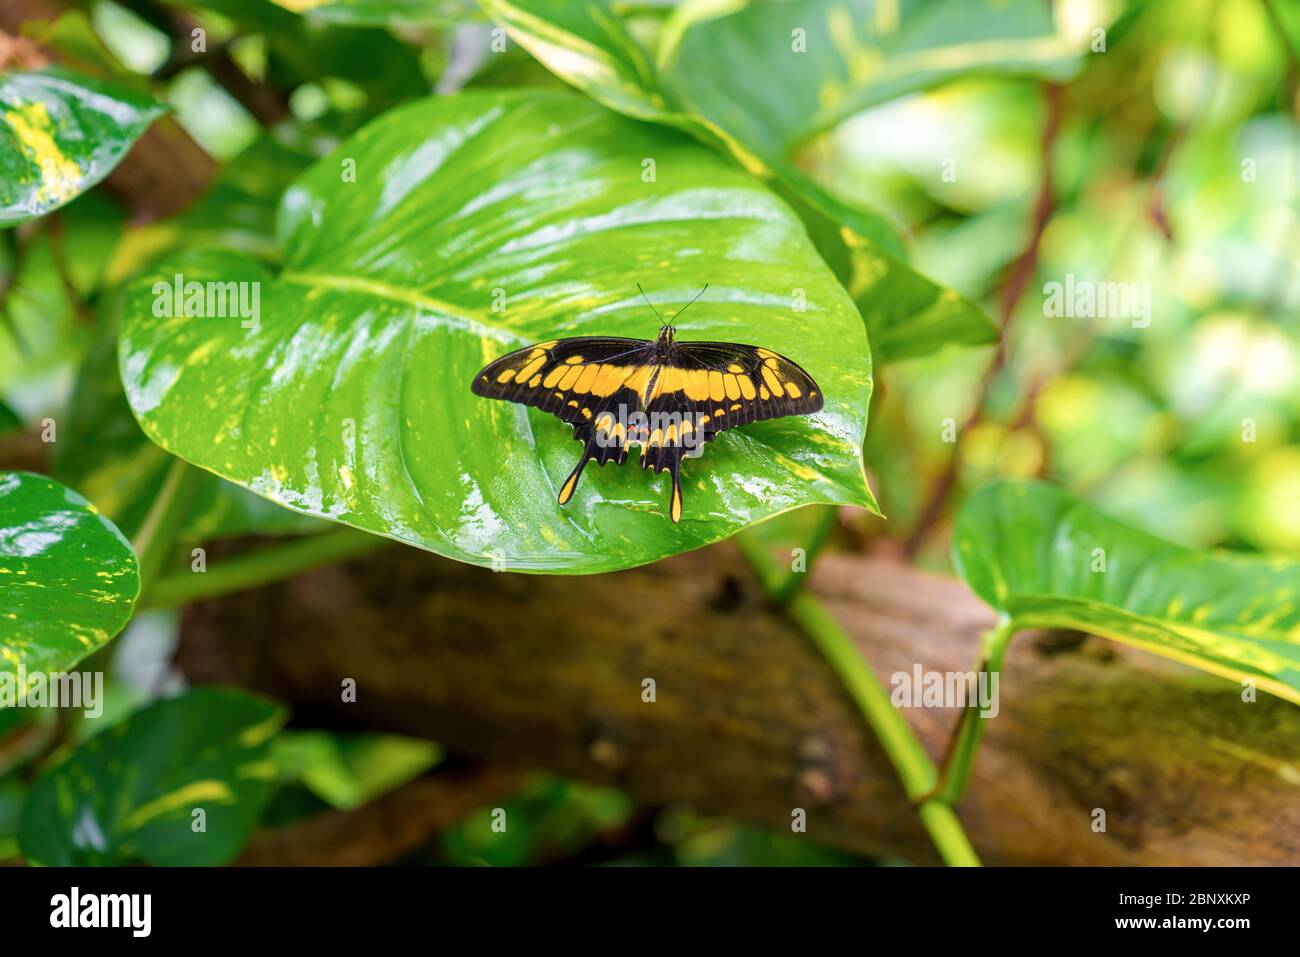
[[915, 769], [157, 533], [960, 759], [263, 566]]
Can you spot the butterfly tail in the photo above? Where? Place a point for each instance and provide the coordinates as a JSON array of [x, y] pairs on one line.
[[566, 490], [675, 506]]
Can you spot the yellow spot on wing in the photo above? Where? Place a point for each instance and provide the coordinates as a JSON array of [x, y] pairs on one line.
[[571, 374], [716, 387], [586, 380], [533, 367]]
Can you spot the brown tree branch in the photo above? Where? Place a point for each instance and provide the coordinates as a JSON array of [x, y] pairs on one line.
[[377, 833], [747, 720]]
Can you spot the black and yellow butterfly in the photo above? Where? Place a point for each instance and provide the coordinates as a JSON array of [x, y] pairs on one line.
[[668, 397]]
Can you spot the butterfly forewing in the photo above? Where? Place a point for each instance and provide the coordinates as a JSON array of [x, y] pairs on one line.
[[731, 384], [570, 378]]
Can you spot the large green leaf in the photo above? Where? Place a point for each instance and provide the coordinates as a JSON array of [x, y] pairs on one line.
[[68, 579], [734, 81], [60, 134], [590, 47], [1037, 555], [350, 399], [132, 792], [102, 451]]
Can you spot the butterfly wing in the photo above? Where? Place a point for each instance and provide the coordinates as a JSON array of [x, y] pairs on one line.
[[711, 386], [619, 391], [735, 384], [569, 378]]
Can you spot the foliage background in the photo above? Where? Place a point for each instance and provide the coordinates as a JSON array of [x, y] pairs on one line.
[[1129, 165]]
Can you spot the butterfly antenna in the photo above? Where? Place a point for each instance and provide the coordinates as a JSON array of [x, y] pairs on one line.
[[651, 305], [691, 303]]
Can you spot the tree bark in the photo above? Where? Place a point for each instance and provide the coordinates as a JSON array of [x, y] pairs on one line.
[[747, 720]]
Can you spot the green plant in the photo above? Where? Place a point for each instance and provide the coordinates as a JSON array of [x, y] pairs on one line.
[[293, 352]]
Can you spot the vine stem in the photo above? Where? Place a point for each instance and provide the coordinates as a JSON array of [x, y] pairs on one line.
[[915, 769], [960, 758], [263, 566], [157, 533]]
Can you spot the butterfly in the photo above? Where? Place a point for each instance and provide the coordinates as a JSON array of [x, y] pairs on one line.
[[666, 396]]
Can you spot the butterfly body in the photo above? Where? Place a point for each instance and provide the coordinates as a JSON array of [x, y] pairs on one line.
[[665, 396]]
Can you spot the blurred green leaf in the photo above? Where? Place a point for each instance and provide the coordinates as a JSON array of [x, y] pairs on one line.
[[907, 315], [301, 49], [1047, 560], [68, 579], [12, 793], [548, 819], [179, 783], [9, 420], [349, 770], [385, 13], [60, 134], [359, 371]]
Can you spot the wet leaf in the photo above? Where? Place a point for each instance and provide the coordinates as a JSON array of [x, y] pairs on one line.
[[350, 398], [102, 451], [736, 80], [1048, 560], [138, 791], [68, 579], [60, 134]]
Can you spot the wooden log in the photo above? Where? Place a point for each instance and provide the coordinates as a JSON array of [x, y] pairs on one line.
[[548, 672]]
